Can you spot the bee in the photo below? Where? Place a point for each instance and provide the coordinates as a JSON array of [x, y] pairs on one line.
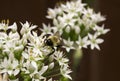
[[54, 41]]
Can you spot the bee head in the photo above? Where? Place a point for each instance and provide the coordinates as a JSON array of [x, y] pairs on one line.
[[49, 42]]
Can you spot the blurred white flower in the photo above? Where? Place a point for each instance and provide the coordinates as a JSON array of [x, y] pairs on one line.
[[3, 36], [51, 65], [13, 27], [94, 41], [82, 42], [38, 75], [67, 19], [88, 12], [13, 36], [59, 56], [26, 28], [67, 29], [68, 45], [77, 29], [73, 7], [58, 26], [65, 71], [18, 48], [100, 30], [46, 29], [51, 13], [9, 66], [43, 70], [29, 67], [97, 17], [31, 56], [3, 26]]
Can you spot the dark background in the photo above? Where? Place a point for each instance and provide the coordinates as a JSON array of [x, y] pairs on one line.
[[95, 65]]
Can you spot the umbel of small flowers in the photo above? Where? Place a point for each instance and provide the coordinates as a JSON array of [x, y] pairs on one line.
[[24, 57], [77, 24]]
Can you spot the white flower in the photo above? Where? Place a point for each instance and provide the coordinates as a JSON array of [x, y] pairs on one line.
[[88, 23], [97, 17], [35, 45], [37, 76], [94, 41], [9, 66], [58, 26], [60, 58], [30, 62], [74, 15], [13, 27], [88, 12], [63, 62], [43, 70], [34, 62], [36, 42], [65, 71], [101, 30], [77, 29], [31, 55], [11, 42], [51, 65], [3, 26], [32, 69], [3, 36], [73, 7], [14, 36], [46, 50], [79, 5], [46, 29], [69, 7], [51, 13], [82, 42], [67, 19], [68, 44], [29, 67], [26, 28], [58, 10], [67, 29]]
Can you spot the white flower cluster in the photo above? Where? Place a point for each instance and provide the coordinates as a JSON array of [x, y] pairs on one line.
[[77, 24], [25, 57]]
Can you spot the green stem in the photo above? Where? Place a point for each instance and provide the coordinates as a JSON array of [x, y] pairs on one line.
[[53, 75], [77, 58], [52, 72]]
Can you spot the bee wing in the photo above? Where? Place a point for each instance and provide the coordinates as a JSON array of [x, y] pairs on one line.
[[57, 34]]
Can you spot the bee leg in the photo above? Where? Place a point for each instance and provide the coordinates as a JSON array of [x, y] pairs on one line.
[[58, 47], [47, 57], [53, 50]]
